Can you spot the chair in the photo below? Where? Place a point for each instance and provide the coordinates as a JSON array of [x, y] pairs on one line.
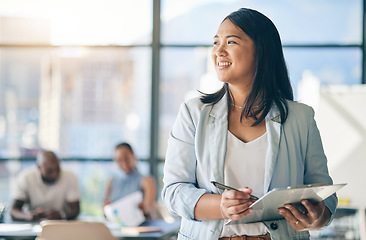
[[75, 230]]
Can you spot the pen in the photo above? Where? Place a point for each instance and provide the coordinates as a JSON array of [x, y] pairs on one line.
[[224, 187]]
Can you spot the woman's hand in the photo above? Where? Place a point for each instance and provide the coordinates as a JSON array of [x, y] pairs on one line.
[[317, 216], [235, 205], [146, 209], [106, 202]]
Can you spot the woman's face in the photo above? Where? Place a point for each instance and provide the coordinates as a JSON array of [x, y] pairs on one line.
[[125, 159], [233, 55]]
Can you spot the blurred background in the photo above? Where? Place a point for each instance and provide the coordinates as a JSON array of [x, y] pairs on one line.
[[78, 77]]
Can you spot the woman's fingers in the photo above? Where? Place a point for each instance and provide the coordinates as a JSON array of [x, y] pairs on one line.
[[240, 215], [235, 205], [300, 220], [288, 213], [244, 193], [314, 211]]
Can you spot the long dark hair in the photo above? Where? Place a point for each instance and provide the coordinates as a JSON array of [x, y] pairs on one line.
[[271, 83]]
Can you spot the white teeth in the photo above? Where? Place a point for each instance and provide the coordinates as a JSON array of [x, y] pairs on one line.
[[224, 63]]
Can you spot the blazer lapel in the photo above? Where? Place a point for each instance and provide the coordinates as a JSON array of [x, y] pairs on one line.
[[218, 128], [273, 125]]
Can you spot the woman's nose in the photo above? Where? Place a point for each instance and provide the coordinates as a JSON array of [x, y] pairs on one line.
[[221, 51]]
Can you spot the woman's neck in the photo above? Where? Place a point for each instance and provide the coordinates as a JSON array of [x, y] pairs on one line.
[[239, 95]]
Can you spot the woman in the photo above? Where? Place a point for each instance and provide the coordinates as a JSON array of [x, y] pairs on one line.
[[130, 181], [250, 135]]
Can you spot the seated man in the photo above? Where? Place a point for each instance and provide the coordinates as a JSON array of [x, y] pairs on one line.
[[131, 180], [45, 191]]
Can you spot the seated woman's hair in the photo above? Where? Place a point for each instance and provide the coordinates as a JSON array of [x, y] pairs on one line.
[[124, 144]]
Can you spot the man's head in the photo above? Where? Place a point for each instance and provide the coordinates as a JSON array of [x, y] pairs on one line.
[[49, 165]]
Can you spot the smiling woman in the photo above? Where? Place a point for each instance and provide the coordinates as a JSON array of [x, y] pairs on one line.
[[256, 147]]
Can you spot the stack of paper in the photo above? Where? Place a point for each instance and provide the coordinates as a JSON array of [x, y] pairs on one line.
[[125, 211]]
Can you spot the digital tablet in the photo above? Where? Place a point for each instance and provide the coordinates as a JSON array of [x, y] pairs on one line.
[[266, 207]]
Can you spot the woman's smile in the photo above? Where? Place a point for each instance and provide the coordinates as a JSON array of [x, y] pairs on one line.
[[222, 64]]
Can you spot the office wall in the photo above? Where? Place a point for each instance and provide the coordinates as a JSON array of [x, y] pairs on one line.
[[341, 118]]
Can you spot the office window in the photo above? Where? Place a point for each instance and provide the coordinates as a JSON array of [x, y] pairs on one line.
[[322, 66], [299, 22], [20, 73], [78, 101], [75, 78], [107, 22]]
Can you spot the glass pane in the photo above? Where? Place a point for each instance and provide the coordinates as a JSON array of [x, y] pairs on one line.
[[67, 22], [298, 21], [309, 68], [184, 71], [78, 102], [20, 74]]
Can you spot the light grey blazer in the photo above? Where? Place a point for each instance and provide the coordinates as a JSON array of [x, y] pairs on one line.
[[196, 154]]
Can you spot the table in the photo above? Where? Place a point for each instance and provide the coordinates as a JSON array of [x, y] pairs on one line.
[[167, 230], [29, 231]]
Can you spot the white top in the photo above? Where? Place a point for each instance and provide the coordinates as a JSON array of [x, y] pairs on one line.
[[30, 188], [244, 167]]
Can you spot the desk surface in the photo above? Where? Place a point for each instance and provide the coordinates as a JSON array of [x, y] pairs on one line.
[[24, 231]]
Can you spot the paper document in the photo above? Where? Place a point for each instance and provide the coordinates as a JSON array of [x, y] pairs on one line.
[[12, 227], [125, 211], [135, 231]]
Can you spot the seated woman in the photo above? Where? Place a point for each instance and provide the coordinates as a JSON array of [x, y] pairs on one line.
[[130, 181]]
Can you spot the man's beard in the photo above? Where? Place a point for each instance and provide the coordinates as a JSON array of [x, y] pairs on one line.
[[48, 181]]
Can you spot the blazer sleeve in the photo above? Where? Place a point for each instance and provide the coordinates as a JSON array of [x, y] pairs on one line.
[[180, 192]]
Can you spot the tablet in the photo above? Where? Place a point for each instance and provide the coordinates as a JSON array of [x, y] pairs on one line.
[[266, 207]]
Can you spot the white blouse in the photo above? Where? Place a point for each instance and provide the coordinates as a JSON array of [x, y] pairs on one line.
[[244, 167]]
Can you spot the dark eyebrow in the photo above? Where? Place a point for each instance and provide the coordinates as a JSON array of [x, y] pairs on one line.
[[228, 36], [235, 36]]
